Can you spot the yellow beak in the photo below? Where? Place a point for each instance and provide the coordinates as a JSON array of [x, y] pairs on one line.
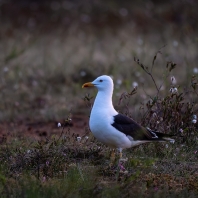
[[89, 84]]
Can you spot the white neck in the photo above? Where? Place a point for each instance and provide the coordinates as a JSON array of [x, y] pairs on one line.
[[103, 101]]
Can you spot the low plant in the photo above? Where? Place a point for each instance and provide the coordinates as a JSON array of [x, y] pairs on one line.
[[69, 165]]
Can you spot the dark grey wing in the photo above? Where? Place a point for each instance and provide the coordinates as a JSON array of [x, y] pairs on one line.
[[131, 128]]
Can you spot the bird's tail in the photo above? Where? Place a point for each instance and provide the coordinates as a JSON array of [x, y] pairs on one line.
[[161, 136], [171, 140]]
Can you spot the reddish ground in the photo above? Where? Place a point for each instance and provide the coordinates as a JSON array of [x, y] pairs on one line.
[[40, 130]]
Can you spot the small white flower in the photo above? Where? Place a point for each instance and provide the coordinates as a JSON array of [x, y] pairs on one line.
[[28, 151], [83, 73], [5, 69], [181, 130], [86, 137], [78, 139], [173, 90], [194, 121], [44, 179], [137, 74], [134, 84], [59, 124], [154, 115], [195, 70], [173, 80], [119, 81], [175, 43], [68, 120], [166, 145], [195, 117]]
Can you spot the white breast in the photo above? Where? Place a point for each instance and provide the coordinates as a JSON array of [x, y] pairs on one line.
[[100, 125]]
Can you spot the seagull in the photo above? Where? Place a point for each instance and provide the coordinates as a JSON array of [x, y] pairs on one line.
[[112, 128]]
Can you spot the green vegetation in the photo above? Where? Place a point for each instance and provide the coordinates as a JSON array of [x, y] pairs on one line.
[[65, 167]]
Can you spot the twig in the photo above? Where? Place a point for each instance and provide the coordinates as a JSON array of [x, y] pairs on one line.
[[145, 68], [158, 52], [67, 121]]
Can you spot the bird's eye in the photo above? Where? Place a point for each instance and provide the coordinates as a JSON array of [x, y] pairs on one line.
[[101, 80]]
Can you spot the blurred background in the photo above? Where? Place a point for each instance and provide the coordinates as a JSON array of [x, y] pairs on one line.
[[49, 48]]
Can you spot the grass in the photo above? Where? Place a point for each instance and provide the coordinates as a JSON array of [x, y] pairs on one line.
[[42, 69], [68, 168]]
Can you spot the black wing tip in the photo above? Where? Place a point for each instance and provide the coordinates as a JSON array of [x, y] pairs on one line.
[[158, 136]]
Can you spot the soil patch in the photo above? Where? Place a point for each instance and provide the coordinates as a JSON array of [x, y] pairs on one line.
[[39, 130]]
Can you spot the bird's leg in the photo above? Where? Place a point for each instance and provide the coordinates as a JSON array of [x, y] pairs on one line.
[[120, 153], [112, 157], [121, 161]]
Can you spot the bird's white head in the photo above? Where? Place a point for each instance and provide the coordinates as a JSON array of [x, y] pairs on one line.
[[102, 83]]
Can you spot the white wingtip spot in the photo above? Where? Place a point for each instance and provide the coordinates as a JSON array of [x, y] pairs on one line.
[[172, 141], [155, 136]]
